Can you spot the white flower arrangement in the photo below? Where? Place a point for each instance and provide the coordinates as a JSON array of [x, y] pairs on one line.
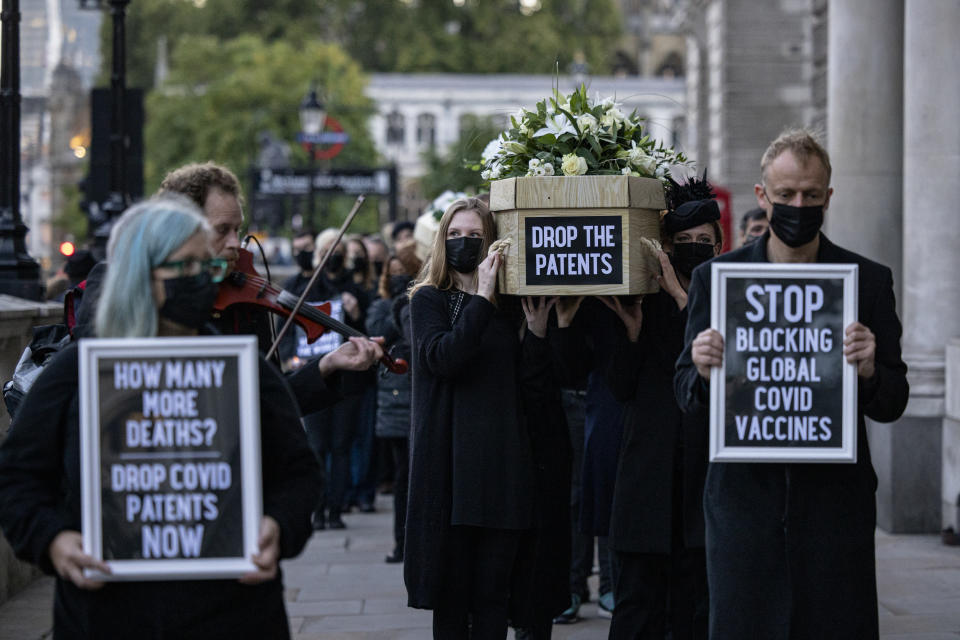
[[442, 201], [580, 136]]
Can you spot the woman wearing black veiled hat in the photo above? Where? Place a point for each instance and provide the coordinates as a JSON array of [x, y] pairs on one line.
[[656, 529]]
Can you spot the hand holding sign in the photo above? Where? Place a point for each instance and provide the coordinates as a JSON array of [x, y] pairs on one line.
[[269, 556], [487, 275], [69, 560], [859, 348], [707, 352]]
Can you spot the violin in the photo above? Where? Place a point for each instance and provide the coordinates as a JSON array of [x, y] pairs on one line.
[[244, 286]]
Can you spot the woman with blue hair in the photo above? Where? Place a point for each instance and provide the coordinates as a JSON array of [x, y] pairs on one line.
[[162, 281]]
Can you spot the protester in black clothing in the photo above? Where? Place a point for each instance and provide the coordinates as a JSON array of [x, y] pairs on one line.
[[656, 528], [389, 316], [363, 468], [331, 431], [472, 468], [790, 547], [160, 284]]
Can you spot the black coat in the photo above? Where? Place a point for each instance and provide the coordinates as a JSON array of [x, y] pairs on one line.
[[385, 318], [663, 454], [40, 497], [790, 547], [471, 461]]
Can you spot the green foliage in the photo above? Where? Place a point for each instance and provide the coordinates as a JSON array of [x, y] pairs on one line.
[[453, 169], [575, 135], [221, 94]]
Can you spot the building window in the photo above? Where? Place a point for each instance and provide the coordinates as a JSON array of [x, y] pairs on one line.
[[426, 130], [395, 126]]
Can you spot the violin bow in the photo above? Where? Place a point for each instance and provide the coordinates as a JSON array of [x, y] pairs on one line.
[[316, 273]]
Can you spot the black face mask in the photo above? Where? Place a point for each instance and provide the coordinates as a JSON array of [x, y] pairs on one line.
[[796, 226], [399, 284], [334, 263], [378, 267], [463, 253], [189, 299], [359, 265], [305, 260], [687, 256]]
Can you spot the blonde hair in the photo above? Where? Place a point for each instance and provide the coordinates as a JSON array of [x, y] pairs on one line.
[[435, 272], [323, 240], [802, 143]]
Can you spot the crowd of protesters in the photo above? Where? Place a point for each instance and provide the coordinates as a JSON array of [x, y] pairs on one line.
[[530, 434]]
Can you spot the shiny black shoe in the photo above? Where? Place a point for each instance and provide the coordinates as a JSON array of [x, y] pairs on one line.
[[335, 522], [395, 558]]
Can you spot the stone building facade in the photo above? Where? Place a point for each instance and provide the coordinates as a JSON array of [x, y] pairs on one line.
[[881, 82]]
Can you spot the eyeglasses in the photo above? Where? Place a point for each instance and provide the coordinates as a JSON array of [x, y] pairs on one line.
[[216, 267]]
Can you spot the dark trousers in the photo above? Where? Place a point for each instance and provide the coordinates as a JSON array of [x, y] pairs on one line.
[[582, 544], [363, 466], [475, 601], [657, 591], [400, 455], [330, 434]]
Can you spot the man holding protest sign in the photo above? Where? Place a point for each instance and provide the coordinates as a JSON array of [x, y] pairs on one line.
[[790, 547]]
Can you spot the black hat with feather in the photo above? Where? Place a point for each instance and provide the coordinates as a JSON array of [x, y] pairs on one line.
[[689, 204]]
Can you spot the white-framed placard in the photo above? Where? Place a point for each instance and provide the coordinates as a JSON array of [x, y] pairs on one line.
[[785, 392], [170, 456]]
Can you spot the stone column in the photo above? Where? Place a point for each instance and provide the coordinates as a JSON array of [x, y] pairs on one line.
[[931, 234], [864, 124]]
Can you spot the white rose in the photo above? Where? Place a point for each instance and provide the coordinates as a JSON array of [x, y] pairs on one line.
[[644, 163], [612, 119], [627, 171], [485, 174], [587, 124], [573, 165], [538, 171], [548, 169], [534, 163]]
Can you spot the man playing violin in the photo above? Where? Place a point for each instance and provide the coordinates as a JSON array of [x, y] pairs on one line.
[[216, 190]]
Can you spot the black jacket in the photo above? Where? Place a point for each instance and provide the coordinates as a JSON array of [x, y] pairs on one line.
[[470, 452], [385, 318], [663, 454], [40, 497], [790, 547]]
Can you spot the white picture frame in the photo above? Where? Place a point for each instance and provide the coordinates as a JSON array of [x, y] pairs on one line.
[[244, 349], [723, 274]]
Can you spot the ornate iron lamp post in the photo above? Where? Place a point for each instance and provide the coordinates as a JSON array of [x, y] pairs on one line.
[[19, 273]]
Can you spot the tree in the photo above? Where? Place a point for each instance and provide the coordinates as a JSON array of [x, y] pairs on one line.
[[452, 169], [221, 95]]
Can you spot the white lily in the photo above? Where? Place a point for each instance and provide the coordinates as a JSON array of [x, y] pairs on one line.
[[557, 124]]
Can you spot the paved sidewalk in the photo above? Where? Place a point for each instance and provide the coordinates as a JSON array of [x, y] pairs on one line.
[[341, 589]]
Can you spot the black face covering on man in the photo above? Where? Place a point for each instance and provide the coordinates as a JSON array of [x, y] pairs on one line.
[[796, 226], [189, 299], [305, 260], [463, 253]]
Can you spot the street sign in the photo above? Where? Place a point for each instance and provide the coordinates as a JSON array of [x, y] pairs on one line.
[[296, 182]]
